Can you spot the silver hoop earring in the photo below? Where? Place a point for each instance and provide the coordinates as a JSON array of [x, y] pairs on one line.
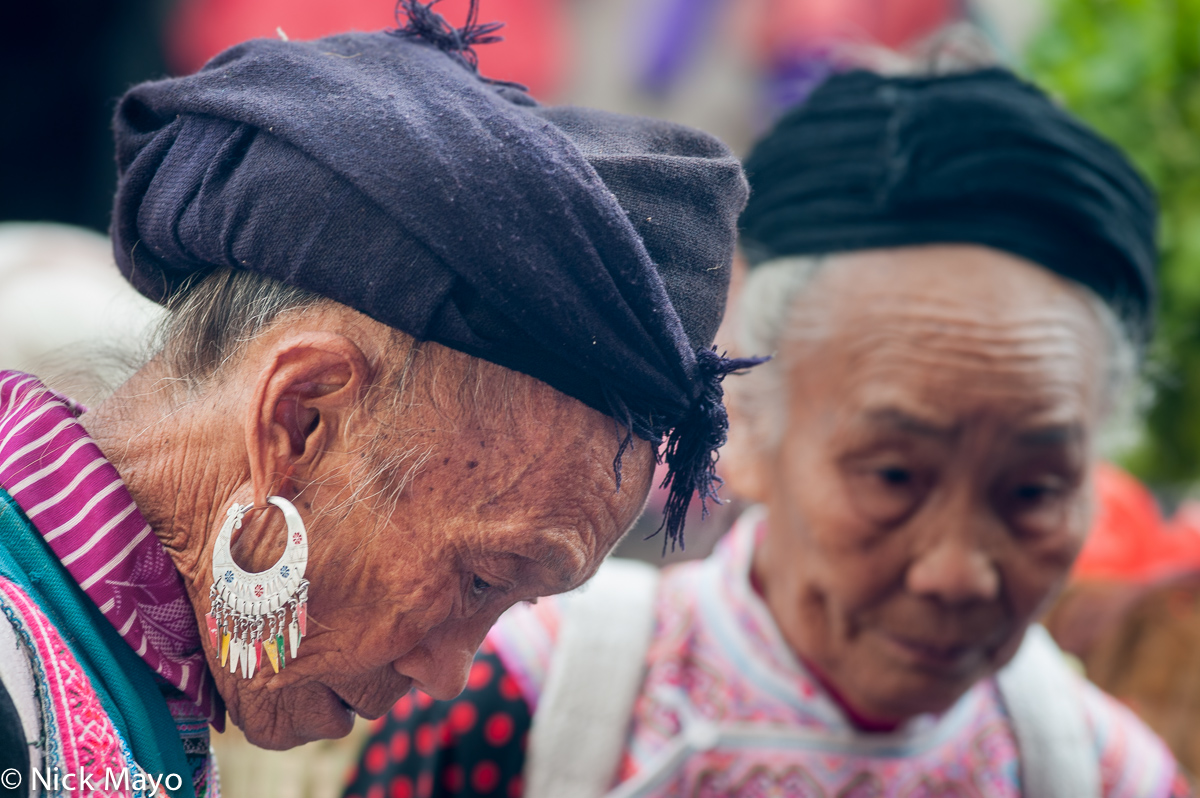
[[246, 605]]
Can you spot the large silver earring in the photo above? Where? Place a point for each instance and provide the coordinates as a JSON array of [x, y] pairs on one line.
[[250, 611]]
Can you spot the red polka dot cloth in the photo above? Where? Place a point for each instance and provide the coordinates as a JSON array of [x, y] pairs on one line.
[[718, 655], [471, 746]]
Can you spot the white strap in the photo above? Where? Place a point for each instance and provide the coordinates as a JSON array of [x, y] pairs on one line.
[[17, 674], [583, 715], [1042, 697]]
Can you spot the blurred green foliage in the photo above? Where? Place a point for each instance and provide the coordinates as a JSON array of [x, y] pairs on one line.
[[1132, 69]]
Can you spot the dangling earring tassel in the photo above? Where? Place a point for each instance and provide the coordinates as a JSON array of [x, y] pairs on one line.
[[244, 605]]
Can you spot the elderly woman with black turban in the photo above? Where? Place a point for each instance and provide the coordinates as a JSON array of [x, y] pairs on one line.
[[425, 336], [955, 277]]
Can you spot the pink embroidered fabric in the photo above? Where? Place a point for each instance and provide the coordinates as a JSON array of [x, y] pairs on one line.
[[719, 665], [83, 740], [57, 474]]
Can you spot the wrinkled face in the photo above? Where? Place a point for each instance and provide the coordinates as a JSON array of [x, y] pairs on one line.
[[931, 489], [498, 514]]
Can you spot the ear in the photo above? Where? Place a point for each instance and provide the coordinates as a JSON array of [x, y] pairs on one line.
[[307, 391], [743, 462]]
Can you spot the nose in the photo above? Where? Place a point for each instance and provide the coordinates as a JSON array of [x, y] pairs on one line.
[[440, 663], [954, 570]]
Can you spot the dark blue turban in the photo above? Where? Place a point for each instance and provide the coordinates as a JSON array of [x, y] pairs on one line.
[[976, 158], [587, 249]]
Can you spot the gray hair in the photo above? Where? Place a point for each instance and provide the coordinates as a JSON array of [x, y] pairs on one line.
[[209, 326], [766, 317], [768, 320], [950, 50]]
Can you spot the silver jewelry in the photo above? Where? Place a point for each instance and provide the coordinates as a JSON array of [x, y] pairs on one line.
[[245, 605]]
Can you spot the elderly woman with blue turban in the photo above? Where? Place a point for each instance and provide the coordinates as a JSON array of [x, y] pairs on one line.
[[425, 338], [955, 277]]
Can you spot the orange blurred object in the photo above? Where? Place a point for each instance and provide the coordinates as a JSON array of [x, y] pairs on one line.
[[533, 51], [1129, 540]]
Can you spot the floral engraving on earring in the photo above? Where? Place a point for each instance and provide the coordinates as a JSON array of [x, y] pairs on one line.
[[245, 605]]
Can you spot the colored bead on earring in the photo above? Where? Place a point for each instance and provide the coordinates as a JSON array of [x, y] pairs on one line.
[[244, 605]]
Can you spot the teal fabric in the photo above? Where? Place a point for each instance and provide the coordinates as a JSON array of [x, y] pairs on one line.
[[125, 684]]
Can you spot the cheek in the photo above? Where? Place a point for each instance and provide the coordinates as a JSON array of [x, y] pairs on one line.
[[380, 597], [826, 542], [377, 631], [474, 628], [1033, 571], [823, 591]]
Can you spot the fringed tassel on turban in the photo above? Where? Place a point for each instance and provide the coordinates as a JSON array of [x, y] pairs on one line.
[[427, 25], [691, 450], [588, 250]]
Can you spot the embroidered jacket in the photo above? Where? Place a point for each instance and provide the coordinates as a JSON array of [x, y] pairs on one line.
[[97, 607], [718, 657]]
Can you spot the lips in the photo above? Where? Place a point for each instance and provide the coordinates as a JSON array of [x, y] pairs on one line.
[[353, 709], [344, 703], [940, 656]]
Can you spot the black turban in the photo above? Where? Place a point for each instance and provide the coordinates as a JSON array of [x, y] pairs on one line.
[[977, 158], [587, 249]]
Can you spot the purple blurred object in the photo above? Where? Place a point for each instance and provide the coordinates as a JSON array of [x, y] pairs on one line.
[[791, 81], [676, 29]]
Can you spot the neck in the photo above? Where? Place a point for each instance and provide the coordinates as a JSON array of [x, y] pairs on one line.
[[859, 720], [171, 470]]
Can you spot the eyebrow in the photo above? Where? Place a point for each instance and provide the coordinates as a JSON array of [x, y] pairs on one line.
[[558, 564], [906, 422], [1051, 435], [1047, 435]]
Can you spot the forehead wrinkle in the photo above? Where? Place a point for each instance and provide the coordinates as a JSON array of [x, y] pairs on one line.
[[964, 303], [895, 364], [512, 479], [527, 477], [563, 546], [938, 387], [964, 291], [567, 527], [544, 482], [1054, 348], [948, 416], [898, 325], [949, 400], [888, 364]]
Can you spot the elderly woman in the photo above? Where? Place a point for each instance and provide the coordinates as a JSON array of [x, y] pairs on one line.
[[424, 336], [954, 275]]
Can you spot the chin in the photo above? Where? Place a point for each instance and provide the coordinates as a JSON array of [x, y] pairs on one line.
[[921, 694], [308, 713]]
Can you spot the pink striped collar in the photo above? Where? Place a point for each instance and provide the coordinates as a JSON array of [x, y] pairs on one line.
[[57, 474]]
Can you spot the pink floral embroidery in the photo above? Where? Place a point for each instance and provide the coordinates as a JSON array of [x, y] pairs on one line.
[[718, 658], [83, 736]]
